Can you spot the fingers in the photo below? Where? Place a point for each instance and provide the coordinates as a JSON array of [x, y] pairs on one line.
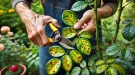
[[90, 26], [82, 21], [48, 19]]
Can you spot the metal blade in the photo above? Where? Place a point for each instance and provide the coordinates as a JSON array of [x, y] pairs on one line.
[[66, 43]]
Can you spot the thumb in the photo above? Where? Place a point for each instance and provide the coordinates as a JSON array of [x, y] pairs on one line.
[[81, 22]]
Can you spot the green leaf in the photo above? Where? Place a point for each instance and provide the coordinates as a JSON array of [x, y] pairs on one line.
[[133, 55], [111, 71], [86, 34], [68, 32], [125, 53], [79, 6], [66, 63], [56, 51], [76, 56], [91, 63], [29, 55], [69, 17], [88, 0], [85, 71], [53, 66], [91, 3], [129, 32], [67, 73], [84, 49], [101, 68], [100, 62], [120, 69], [128, 21], [83, 64], [110, 60], [92, 69], [31, 63], [76, 71], [112, 50]]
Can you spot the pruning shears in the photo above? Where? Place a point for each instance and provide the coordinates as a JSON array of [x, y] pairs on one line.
[[56, 37]]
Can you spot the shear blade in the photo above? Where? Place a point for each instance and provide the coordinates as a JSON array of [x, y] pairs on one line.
[[66, 46], [66, 43]]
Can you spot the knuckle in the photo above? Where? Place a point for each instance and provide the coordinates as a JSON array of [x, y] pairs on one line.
[[45, 42]]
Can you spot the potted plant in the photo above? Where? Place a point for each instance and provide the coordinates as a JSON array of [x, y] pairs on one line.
[[11, 54]]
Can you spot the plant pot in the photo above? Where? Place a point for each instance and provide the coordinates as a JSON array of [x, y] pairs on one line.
[[23, 67]]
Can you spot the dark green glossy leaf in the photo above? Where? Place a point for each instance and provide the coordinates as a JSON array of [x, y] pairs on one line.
[[67, 73], [125, 53], [76, 71], [66, 63], [79, 6], [68, 32], [129, 32], [92, 69], [120, 69], [100, 62], [133, 55], [112, 50], [69, 17], [88, 0], [85, 71], [56, 51], [53, 66], [101, 68], [83, 64], [128, 21], [76, 56], [111, 71]]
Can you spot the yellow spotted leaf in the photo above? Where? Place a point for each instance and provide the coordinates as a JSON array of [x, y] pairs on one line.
[[56, 51], [76, 56], [67, 63], [111, 71], [120, 69], [101, 68], [53, 66]]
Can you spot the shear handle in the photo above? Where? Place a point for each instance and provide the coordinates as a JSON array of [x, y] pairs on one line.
[[53, 28]]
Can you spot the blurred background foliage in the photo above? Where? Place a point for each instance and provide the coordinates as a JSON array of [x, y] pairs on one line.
[[9, 18]]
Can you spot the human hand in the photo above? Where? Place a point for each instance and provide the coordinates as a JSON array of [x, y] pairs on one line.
[[35, 26], [86, 23]]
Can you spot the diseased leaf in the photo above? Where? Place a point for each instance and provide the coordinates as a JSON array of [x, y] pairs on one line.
[[68, 32], [100, 62], [56, 51], [111, 71], [110, 60], [79, 6], [101, 68], [76, 56], [69, 17], [86, 34], [53, 66], [76, 71], [66, 63], [129, 32], [112, 50], [120, 69], [84, 49], [83, 41]]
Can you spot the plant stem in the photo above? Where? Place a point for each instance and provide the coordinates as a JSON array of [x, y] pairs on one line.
[[118, 19], [97, 32]]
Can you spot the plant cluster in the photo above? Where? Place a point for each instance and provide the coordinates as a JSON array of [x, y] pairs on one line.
[[110, 59]]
